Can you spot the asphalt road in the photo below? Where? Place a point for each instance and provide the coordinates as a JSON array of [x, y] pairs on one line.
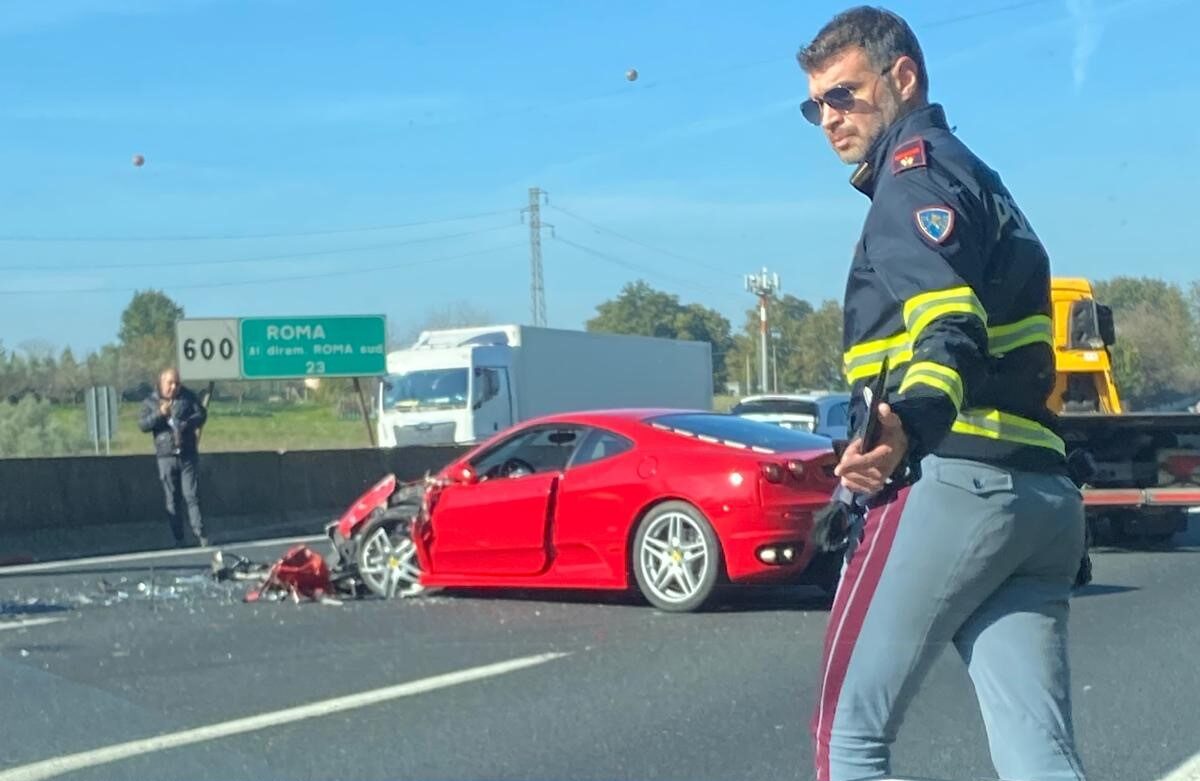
[[632, 693]]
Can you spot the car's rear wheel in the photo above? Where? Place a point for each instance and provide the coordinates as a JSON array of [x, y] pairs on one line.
[[676, 557], [387, 557]]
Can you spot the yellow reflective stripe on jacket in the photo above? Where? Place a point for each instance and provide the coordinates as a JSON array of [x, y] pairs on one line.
[[1006, 427], [1031, 330], [923, 309], [936, 376], [866, 360]]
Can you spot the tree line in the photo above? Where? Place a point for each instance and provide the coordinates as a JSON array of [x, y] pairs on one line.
[[1156, 359]]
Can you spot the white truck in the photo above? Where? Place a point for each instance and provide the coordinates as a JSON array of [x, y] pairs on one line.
[[461, 386]]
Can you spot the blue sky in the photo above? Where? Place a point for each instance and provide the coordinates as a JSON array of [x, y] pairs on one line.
[[273, 118]]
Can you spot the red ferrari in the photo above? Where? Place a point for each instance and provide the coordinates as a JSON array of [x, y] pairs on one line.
[[674, 502]]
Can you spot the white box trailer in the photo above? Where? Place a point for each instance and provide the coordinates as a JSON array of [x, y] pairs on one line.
[[463, 385]]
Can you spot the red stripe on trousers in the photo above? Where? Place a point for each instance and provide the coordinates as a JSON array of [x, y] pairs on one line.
[[847, 616]]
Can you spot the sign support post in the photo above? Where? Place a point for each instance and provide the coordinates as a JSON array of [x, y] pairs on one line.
[[362, 404]]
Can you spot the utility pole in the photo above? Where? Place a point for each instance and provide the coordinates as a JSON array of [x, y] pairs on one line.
[[763, 285], [537, 288]]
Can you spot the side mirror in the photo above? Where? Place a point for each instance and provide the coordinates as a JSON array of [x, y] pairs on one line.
[[1108, 331], [465, 474]]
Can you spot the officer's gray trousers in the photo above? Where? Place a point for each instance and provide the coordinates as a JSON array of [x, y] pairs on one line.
[[973, 555]]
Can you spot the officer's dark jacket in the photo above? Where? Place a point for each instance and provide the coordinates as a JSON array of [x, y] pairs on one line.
[[950, 282], [189, 415]]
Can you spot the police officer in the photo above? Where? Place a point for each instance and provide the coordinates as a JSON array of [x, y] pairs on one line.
[[973, 531]]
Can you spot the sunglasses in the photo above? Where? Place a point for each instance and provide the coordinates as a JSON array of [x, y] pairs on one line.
[[839, 99]]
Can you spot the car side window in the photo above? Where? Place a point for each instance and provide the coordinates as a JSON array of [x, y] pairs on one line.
[[839, 415], [501, 453], [544, 449], [598, 445]]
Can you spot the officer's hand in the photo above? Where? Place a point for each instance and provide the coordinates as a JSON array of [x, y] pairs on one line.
[[866, 473]]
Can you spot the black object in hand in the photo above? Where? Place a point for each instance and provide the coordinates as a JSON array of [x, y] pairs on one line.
[[831, 524]]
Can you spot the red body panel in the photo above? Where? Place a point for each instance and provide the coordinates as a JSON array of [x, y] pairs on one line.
[[573, 528], [375, 496]]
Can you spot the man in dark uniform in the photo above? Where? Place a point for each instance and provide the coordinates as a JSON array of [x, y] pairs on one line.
[[973, 531], [173, 415]]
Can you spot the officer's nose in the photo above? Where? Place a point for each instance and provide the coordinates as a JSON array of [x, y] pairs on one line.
[[830, 117]]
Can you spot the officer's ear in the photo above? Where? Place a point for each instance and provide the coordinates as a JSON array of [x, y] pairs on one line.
[[905, 76]]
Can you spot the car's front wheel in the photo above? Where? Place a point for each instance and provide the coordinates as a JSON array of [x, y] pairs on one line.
[[676, 557], [387, 557]]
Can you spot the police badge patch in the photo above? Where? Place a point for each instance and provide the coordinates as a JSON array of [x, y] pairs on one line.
[[909, 155], [935, 222]]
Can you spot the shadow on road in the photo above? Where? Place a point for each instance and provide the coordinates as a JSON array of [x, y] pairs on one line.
[[1099, 590], [730, 599], [106, 570], [38, 608]]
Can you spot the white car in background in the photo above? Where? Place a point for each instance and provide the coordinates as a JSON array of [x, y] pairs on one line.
[[826, 413]]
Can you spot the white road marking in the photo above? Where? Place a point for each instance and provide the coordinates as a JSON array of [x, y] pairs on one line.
[[171, 553], [68, 763], [1188, 771], [30, 622]]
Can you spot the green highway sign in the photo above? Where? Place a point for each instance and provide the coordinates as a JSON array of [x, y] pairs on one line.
[[282, 348]]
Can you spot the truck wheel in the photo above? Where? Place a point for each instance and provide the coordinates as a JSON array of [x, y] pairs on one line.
[[387, 556], [676, 557]]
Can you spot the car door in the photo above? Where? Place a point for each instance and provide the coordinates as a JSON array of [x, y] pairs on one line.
[[596, 501], [498, 525]]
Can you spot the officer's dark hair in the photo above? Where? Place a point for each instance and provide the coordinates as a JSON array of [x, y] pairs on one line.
[[882, 34]]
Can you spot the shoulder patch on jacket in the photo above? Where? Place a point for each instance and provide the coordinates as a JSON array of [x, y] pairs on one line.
[[909, 155], [935, 222]]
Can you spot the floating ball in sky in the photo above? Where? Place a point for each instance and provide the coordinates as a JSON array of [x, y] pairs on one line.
[[631, 74], [138, 160]]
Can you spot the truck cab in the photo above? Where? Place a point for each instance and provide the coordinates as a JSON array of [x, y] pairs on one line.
[[1083, 332], [450, 387]]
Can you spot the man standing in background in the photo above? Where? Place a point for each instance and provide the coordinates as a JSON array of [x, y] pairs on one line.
[[173, 415]]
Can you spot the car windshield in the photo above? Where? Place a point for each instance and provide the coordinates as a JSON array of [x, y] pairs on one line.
[[775, 407], [426, 389], [731, 428]]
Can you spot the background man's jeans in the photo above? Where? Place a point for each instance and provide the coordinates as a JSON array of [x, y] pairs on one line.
[[179, 476]]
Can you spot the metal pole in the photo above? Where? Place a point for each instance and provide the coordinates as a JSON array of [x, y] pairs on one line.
[[204, 401], [774, 366], [95, 423], [362, 404], [762, 327], [764, 286], [537, 290], [104, 417]]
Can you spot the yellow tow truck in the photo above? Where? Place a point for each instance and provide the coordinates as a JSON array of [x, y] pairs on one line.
[[1145, 467]]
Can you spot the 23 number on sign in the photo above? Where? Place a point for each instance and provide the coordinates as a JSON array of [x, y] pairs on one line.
[[314, 367], [208, 349]]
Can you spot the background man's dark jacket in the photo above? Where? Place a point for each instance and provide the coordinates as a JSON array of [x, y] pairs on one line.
[[189, 416]]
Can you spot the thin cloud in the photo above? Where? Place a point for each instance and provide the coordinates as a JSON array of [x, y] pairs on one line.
[[24, 16], [307, 110], [1087, 29]]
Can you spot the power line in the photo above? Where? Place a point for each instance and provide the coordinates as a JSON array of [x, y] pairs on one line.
[[986, 12], [273, 280], [239, 236], [635, 267], [257, 258], [638, 242]]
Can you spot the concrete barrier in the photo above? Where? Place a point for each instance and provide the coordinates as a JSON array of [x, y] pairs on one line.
[[87, 506]]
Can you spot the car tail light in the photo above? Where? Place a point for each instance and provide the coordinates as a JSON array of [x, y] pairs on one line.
[[772, 472], [796, 468]]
